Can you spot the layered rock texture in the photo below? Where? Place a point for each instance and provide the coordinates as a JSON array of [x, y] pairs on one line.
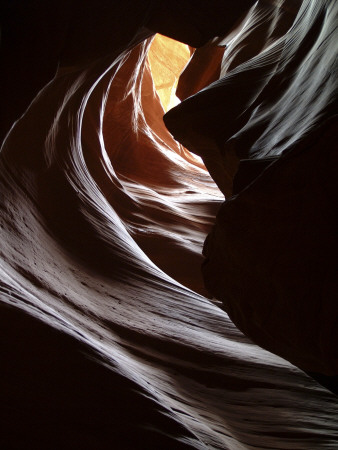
[[271, 256], [111, 337]]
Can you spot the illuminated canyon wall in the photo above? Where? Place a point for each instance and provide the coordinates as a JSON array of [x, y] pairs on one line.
[[271, 255], [111, 335]]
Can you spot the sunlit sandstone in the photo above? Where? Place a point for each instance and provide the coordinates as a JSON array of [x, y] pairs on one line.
[[108, 336], [167, 59]]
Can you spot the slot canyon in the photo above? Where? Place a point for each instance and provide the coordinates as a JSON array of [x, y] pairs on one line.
[[168, 230]]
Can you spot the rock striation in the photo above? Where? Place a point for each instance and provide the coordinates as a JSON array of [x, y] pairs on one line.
[[108, 336], [271, 120]]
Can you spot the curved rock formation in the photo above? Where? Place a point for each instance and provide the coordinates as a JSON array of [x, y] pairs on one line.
[[108, 339], [271, 255]]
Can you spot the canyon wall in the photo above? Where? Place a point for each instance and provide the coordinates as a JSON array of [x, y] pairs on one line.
[[109, 336]]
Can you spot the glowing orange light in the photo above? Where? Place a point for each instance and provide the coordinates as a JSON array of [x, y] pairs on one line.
[[167, 59]]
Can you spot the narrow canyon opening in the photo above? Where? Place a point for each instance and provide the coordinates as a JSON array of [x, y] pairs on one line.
[[156, 171], [167, 59]]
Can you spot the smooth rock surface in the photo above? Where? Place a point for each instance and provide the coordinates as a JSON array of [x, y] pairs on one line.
[[107, 336]]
